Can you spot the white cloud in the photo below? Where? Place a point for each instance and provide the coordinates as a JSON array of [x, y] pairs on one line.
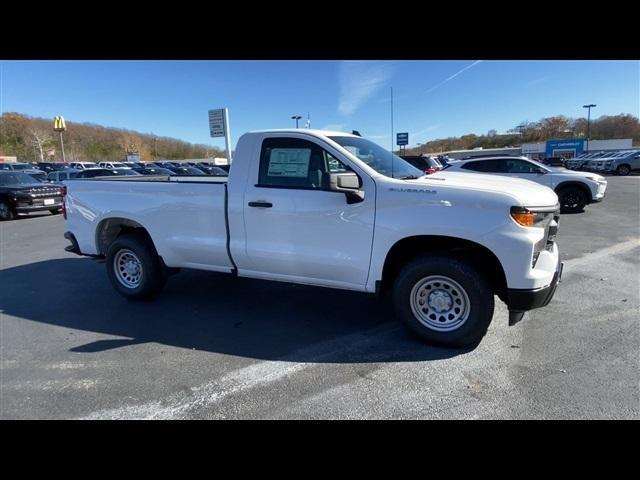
[[358, 82], [453, 76]]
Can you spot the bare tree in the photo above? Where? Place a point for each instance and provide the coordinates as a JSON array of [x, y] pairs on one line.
[[40, 138]]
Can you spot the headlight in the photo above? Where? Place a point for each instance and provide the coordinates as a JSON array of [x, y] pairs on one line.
[[533, 217]]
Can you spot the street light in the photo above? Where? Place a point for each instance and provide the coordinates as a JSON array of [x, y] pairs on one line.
[[588, 107], [296, 118]]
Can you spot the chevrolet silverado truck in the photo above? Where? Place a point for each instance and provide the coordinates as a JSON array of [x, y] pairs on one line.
[[333, 210]]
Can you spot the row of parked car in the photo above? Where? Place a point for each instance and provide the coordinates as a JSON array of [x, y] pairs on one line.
[[57, 172], [621, 162]]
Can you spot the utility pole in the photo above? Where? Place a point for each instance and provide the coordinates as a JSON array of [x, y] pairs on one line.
[[588, 107]]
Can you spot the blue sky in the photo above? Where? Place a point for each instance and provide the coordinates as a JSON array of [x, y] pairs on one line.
[[432, 99]]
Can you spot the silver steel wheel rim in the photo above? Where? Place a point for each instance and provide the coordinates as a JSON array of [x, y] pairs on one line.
[[128, 268], [440, 303]]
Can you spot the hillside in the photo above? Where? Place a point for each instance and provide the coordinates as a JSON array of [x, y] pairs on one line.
[[33, 139], [557, 127]]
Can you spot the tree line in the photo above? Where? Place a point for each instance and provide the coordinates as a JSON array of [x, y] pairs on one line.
[[33, 139], [557, 127]]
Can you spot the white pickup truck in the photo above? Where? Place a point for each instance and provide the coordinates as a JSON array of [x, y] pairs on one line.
[[334, 210]]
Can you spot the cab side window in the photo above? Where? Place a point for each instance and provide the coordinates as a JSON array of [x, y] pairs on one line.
[[297, 164]]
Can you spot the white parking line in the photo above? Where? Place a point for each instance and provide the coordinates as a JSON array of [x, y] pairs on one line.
[[180, 404]]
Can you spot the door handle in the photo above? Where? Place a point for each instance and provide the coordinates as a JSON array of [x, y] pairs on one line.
[[261, 204]]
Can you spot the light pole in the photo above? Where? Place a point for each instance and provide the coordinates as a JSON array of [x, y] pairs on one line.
[[588, 107], [296, 118]]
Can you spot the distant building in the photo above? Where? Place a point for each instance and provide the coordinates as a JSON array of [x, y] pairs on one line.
[[8, 159], [569, 147]]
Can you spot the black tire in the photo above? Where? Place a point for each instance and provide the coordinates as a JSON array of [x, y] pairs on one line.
[[623, 170], [475, 286], [572, 200], [55, 211], [7, 212], [153, 275]]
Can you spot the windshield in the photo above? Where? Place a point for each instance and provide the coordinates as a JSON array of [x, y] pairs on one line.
[[21, 166], [376, 157], [16, 178]]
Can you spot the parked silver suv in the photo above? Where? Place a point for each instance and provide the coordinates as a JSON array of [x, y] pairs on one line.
[[622, 163]]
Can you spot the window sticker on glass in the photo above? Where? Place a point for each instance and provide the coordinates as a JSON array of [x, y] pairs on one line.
[[289, 162]]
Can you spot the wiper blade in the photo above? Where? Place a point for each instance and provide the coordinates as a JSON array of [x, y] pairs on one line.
[[408, 177]]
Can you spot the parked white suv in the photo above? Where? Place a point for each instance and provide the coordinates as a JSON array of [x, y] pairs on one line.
[[574, 189], [114, 165], [82, 165]]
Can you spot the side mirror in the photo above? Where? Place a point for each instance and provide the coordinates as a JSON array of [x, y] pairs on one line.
[[541, 171], [347, 183]]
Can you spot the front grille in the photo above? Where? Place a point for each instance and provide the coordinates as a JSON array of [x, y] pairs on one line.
[[44, 192]]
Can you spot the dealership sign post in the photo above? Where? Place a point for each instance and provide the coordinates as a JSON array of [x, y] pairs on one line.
[[219, 127]]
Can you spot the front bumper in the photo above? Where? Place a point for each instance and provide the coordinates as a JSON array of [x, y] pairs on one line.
[[37, 208], [520, 301]]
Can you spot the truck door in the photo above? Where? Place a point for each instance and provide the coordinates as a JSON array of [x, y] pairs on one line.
[[299, 230]]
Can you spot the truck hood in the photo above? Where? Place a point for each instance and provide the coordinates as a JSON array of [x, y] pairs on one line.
[[527, 192]]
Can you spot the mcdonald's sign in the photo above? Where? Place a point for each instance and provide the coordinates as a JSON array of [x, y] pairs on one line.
[[58, 124]]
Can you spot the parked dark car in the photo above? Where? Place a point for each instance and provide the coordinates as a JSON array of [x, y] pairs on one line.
[[166, 164], [153, 171], [52, 166], [425, 163], [105, 172], [61, 175], [186, 171], [554, 161], [215, 171], [20, 193]]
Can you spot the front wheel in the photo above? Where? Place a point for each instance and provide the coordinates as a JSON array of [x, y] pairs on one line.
[[134, 267], [444, 300], [623, 170], [55, 211], [572, 200], [6, 211]]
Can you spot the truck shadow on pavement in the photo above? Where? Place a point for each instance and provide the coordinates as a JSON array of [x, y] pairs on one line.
[[214, 313]]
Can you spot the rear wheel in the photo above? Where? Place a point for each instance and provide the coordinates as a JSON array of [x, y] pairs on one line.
[[444, 300], [623, 170], [572, 200], [134, 267], [7, 212]]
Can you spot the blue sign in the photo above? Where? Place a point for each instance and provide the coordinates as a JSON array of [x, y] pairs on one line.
[[555, 147], [402, 138]]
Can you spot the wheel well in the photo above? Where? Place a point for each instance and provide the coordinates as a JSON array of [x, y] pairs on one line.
[[625, 165], [110, 229], [586, 190], [408, 248]]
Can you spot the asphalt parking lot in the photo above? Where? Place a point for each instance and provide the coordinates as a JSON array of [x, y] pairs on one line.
[[214, 347]]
